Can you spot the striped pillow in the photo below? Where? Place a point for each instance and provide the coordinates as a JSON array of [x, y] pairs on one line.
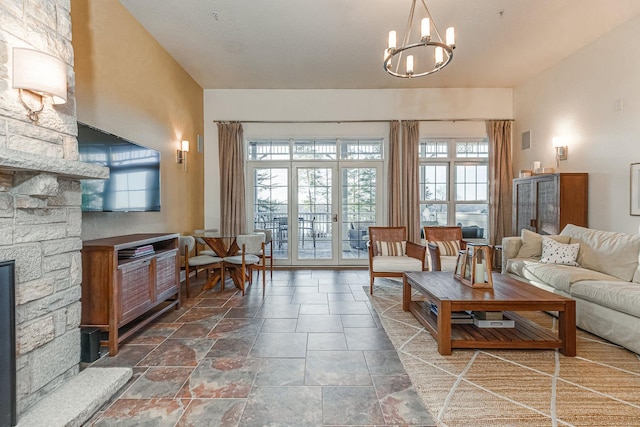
[[391, 248], [448, 248]]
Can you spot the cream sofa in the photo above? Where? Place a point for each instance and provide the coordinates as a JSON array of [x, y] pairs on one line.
[[605, 285]]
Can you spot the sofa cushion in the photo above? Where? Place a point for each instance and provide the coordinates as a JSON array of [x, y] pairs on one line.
[[558, 276], [532, 243], [609, 252], [395, 264], [616, 295], [559, 253]]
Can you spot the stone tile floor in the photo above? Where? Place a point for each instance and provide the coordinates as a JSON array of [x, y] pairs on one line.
[[309, 352]]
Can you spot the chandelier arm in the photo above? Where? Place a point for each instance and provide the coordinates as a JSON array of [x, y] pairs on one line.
[[407, 33]]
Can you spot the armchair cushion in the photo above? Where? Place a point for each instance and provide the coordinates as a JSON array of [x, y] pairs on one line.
[[392, 248], [396, 264], [449, 248]]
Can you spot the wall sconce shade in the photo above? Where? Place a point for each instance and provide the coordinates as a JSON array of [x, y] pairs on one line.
[[41, 74], [182, 153]]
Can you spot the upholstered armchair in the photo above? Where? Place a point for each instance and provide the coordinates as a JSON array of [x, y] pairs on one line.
[[390, 254], [443, 243]]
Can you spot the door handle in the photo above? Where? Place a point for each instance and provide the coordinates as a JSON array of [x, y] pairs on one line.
[[335, 217]]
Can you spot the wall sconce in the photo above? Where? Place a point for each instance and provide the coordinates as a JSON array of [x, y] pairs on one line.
[[41, 74], [561, 149], [182, 153]]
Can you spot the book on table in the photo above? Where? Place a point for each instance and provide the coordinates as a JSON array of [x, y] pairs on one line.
[[488, 315], [457, 317], [136, 252]]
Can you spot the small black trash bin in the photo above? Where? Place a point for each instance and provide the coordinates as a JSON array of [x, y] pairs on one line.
[[89, 344]]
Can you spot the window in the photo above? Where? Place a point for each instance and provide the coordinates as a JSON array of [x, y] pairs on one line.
[[454, 184], [315, 149]]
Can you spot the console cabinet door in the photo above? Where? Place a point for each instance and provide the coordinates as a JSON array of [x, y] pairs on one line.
[[135, 287], [547, 203], [167, 275]]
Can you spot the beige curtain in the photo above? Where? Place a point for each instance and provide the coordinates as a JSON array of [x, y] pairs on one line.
[[410, 189], [232, 196], [501, 179], [394, 179]]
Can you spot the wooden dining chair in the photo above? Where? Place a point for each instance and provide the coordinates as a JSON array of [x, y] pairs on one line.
[[268, 247], [190, 263], [251, 246]]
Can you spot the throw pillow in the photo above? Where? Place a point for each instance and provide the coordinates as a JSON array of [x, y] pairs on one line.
[[391, 248], [448, 248], [532, 244], [559, 253]]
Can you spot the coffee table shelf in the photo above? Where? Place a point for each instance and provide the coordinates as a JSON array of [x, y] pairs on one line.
[[525, 334], [508, 295]]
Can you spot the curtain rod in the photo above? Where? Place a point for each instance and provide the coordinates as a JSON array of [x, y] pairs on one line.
[[357, 121]]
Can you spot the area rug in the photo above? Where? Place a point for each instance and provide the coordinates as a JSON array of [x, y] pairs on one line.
[[599, 387]]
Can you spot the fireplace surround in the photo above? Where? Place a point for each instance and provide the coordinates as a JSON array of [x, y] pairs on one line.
[[40, 216]]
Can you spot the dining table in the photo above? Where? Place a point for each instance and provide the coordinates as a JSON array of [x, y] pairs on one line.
[[224, 247]]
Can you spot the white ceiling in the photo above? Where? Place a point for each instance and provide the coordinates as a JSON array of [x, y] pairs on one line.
[[338, 44]]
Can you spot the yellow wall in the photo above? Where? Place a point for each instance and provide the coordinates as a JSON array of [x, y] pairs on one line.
[[128, 85]]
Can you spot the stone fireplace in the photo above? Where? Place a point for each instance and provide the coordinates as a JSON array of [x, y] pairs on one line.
[[40, 197]]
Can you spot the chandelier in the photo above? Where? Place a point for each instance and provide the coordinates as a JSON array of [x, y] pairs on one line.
[[443, 52]]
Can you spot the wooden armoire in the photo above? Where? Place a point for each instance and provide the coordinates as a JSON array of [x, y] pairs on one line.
[[546, 203]]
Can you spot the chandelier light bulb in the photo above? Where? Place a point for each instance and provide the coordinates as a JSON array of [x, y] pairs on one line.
[[439, 56], [410, 64], [425, 28], [392, 40], [450, 37]]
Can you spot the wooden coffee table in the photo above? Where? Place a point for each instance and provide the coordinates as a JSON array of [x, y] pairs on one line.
[[507, 295]]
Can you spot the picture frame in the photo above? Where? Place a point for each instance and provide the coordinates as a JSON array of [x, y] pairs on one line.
[[635, 190]]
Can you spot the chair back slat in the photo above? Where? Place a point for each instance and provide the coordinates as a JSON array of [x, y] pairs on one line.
[[443, 234]]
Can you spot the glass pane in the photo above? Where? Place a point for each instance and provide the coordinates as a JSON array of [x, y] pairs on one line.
[[270, 206], [361, 149], [433, 214], [433, 149], [473, 149], [358, 210], [315, 149], [433, 182], [314, 213], [268, 150], [474, 219], [471, 182]]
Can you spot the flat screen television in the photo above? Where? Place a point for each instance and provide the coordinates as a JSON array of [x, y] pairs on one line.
[[134, 182]]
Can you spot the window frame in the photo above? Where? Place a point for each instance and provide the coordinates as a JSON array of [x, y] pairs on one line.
[[451, 160]]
